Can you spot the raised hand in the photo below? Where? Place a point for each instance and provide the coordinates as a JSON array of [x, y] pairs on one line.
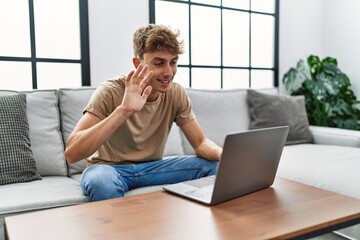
[[136, 89]]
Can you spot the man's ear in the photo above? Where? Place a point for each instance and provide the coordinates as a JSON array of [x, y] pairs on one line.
[[136, 61]]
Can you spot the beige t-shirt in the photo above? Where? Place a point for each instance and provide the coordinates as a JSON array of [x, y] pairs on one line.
[[142, 137]]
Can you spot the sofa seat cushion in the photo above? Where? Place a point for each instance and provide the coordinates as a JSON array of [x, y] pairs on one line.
[[143, 190], [47, 193], [333, 168]]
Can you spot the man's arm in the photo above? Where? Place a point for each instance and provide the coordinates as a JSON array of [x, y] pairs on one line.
[[91, 132], [203, 146]]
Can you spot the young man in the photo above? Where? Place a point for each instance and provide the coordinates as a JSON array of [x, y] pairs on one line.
[[127, 121]]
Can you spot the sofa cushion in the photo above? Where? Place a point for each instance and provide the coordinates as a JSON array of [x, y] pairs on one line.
[[48, 193], [17, 161], [225, 109], [173, 145], [335, 136], [72, 103], [270, 111], [46, 140], [334, 168], [44, 126]]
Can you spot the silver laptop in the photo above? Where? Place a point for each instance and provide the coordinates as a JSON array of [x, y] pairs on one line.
[[248, 163]]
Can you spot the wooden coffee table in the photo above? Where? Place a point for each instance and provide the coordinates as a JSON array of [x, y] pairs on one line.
[[286, 210]]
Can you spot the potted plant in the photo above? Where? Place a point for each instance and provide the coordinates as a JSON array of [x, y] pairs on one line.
[[329, 100]]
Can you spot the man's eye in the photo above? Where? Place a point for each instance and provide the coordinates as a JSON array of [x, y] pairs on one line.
[[158, 64]]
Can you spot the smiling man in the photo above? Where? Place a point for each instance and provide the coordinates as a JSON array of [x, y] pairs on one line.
[[126, 123]]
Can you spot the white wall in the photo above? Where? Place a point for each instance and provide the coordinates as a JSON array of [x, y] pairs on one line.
[[323, 28], [111, 27], [319, 27], [300, 33], [342, 37]]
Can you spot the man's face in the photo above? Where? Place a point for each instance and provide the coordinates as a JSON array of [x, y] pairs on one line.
[[164, 67]]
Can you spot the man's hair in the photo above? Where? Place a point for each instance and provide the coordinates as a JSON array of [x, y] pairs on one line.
[[154, 38]]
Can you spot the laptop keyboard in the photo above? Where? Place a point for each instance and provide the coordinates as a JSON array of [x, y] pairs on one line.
[[202, 182], [203, 192]]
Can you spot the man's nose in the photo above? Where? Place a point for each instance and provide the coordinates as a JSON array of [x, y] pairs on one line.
[[168, 70]]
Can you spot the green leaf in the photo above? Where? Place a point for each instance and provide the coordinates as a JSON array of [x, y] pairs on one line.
[[294, 78], [341, 108], [314, 65], [329, 100], [320, 114], [330, 60], [351, 124], [330, 69]]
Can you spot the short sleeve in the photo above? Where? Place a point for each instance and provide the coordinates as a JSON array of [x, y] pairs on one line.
[[105, 99], [184, 113]]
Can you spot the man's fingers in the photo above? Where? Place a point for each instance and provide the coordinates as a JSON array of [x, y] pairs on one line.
[[137, 71], [140, 73], [146, 79], [141, 76], [143, 73], [146, 93], [128, 77]]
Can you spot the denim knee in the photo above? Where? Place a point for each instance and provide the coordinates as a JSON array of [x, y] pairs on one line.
[[207, 167], [101, 182], [210, 167]]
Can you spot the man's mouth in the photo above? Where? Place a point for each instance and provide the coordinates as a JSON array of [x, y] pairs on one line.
[[164, 81]]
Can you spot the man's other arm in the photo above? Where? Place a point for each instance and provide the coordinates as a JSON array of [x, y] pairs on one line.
[[203, 146]]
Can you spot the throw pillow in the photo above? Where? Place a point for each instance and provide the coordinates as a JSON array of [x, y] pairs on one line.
[[273, 110], [17, 163]]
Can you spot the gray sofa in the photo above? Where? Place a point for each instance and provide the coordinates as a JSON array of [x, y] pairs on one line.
[[331, 163]]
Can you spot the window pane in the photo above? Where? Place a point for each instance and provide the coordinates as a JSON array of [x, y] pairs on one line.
[[262, 37], [15, 75], [209, 2], [262, 79], [58, 75], [267, 6], [235, 78], [235, 38], [241, 4], [14, 28], [57, 29], [182, 77], [205, 36], [176, 16], [206, 78]]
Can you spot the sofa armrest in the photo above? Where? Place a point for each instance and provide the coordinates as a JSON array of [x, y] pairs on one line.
[[335, 136]]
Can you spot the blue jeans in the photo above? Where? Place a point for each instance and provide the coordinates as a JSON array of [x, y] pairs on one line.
[[103, 181]]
